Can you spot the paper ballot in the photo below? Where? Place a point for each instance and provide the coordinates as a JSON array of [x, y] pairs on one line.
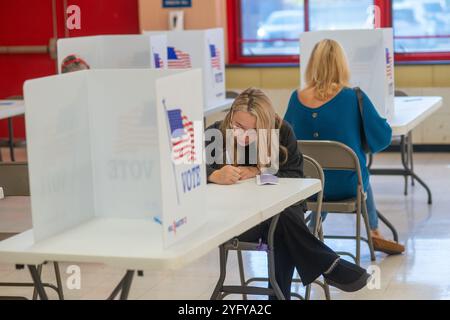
[[266, 179]]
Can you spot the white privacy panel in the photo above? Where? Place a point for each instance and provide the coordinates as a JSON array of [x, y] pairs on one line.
[[85, 48], [99, 147], [370, 55], [183, 183], [59, 153], [199, 49], [125, 142], [116, 51]]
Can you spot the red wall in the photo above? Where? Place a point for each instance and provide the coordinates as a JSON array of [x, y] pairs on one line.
[[29, 22]]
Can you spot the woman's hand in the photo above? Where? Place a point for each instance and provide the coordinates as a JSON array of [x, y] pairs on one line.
[[248, 172], [226, 175]]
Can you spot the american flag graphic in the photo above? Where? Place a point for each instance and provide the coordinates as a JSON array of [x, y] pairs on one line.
[[159, 63], [182, 137], [389, 64], [134, 133], [178, 59], [215, 57]]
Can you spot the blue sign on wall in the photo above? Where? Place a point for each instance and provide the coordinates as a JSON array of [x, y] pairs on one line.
[[177, 3]]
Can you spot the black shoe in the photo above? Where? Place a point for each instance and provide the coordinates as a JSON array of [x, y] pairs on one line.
[[347, 276]]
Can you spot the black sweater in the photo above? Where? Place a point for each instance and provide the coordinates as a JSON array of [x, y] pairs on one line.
[[292, 168]]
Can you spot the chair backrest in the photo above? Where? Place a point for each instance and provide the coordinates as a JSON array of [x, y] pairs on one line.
[[399, 93], [312, 169], [231, 94], [331, 155], [14, 179]]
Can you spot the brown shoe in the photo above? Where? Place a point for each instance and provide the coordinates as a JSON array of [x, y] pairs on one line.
[[387, 246]]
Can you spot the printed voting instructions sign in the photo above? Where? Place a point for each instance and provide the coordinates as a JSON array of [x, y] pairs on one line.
[[122, 146]]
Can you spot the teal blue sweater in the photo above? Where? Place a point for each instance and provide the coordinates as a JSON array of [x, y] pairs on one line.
[[339, 120]]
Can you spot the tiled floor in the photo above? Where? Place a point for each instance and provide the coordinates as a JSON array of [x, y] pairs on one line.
[[421, 273]]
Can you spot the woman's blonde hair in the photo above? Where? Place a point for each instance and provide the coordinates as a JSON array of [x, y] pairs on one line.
[[257, 103], [327, 71]]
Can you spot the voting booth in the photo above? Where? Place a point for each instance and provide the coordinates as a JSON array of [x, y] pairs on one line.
[[370, 55], [116, 51], [199, 49], [116, 144]]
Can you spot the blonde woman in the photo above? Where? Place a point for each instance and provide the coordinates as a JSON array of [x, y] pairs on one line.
[[295, 246], [327, 109]]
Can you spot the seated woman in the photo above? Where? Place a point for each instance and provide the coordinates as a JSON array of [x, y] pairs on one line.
[[295, 246], [73, 63], [327, 109]]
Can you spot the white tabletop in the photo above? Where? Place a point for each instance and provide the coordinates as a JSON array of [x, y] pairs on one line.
[[137, 244], [218, 107], [411, 111], [11, 108]]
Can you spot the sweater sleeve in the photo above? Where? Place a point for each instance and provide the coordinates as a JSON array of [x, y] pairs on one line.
[[377, 130], [293, 167]]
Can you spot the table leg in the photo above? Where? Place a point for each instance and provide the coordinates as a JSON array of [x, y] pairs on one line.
[[58, 281], [410, 155], [407, 170], [37, 282], [123, 287], [404, 158], [271, 253], [11, 139], [39, 271], [58, 288], [127, 285]]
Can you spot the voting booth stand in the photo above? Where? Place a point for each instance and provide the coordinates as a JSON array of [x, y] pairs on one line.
[[199, 49], [370, 55], [116, 144], [116, 51]]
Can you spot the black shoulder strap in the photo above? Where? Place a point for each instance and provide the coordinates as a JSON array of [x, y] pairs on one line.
[[361, 113], [360, 100]]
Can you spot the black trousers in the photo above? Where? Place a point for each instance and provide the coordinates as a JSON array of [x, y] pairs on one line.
[[294, 247]]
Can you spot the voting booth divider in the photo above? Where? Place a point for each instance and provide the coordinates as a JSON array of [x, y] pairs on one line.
[[370, 55], [116, 144], [116, 51], [199, 49]]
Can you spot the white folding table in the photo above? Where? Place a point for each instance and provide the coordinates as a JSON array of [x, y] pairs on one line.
[[409, 113], [8, 110], [136, 244]]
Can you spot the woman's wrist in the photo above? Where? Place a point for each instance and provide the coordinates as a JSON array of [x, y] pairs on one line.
[[211, 177]]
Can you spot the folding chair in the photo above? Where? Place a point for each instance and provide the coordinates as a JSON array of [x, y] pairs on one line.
[[14, 181], [332, 155], [312, 170]]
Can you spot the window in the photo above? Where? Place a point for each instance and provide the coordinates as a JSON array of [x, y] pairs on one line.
[[421, 26], [271, 27], [340, 14], [268, 31]]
